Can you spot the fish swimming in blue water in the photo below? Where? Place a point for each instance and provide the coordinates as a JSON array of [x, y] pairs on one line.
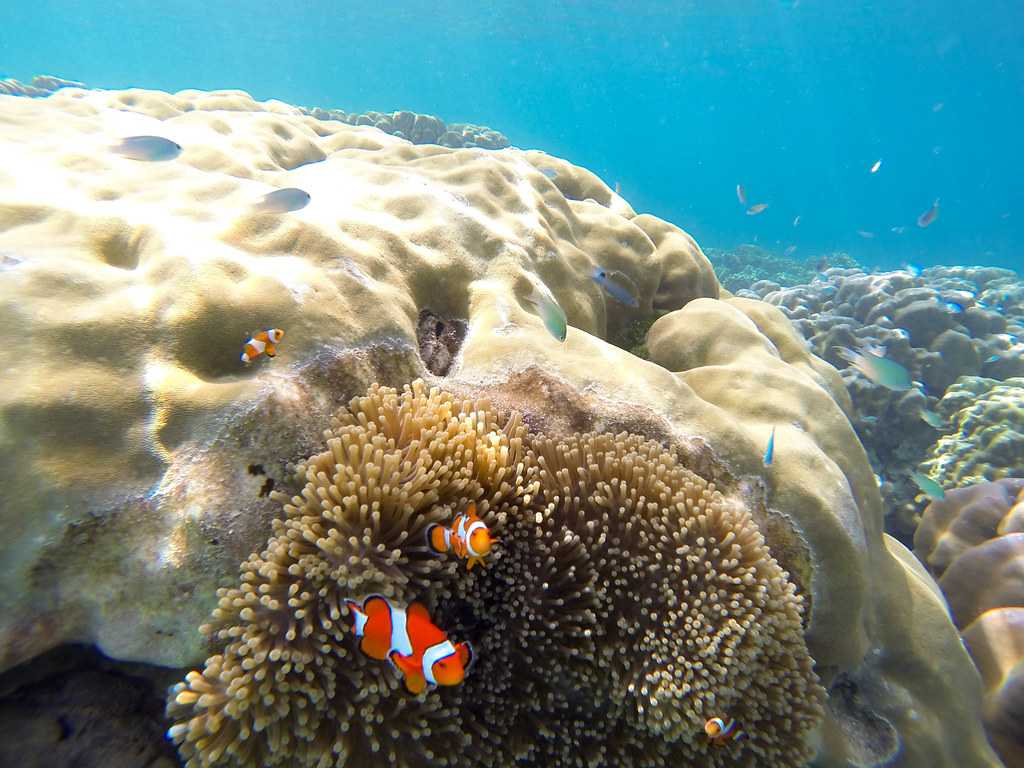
[[618, 285], [148, 148], [929, 487], [865, 234], [741, 195], [954, 307], [912, 269], [932, 419], [769, 452], [929, 216], [876, 166], [282, 201], [548, 308], [757, 208], [991, 358], [796, 221], [789, 251], [878, 368]]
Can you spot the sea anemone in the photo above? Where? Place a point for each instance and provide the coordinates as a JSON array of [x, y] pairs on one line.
[[627, 603]]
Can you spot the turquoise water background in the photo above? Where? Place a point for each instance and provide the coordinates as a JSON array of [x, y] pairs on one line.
[[677, 101]]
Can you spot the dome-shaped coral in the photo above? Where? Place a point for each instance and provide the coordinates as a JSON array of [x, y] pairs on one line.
[[627, 603]]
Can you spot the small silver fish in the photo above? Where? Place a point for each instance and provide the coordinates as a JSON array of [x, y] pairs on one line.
[[876, 166], [789, 251], [796, 221], [929, 216], [618, 285], [741, 195], [769, 452], [932, 419], [149, 148], [757, 208], [929, 487], [865, 234], [991, 358], [282, 201]]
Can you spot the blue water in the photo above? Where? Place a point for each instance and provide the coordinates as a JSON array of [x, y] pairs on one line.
[[678, 103]]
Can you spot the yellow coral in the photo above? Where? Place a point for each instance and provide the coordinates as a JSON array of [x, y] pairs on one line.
[[627, 603]]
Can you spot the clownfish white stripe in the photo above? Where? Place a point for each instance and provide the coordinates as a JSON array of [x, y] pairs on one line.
[[469, 537], [360, 622], [258, 345], [400, 640], [434, 654]]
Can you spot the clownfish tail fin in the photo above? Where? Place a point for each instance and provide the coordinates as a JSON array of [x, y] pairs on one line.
[[436, 539]]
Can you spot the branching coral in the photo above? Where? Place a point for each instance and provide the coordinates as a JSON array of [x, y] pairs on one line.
[[627, 603]]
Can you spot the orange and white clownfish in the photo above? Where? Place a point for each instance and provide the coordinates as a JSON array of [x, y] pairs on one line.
[[411, 642], [720, 732], [469, 537], [261, 342]]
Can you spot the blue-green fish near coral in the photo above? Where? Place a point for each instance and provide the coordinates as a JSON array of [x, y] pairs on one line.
[[929, 487], [548, 308], [283, 201], [618, 285], [148, 148], [878, 368], [932, 419], [769, 452]]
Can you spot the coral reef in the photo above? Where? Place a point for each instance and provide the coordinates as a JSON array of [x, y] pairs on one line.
[[973, 540], [987, 437], [139, 453], [946, 323], [744, 265], [417, 128], [41, 85], [615, 622]]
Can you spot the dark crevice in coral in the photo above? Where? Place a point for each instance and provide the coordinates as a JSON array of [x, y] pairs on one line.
[[872, 739], [439, 341], [73, 707]]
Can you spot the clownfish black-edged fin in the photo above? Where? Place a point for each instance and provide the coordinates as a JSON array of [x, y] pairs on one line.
[[466, 655], [374, 604], [270, 351], [435, 539]]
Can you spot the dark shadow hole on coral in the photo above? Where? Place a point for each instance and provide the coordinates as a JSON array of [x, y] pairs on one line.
[[439, 341], [73, 707], [872, 740]]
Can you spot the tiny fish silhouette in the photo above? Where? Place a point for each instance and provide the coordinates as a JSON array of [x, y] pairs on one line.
[[929, 216], [756, 209], [283, 201], [148, 148]]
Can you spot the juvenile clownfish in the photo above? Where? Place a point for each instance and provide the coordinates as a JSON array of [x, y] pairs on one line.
[[411, 642], [720, 732], [261, 342], [468, 537]]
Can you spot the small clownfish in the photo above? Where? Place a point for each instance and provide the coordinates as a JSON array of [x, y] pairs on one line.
[[261, 342], [410, 642], [468, 537], [720, 732]]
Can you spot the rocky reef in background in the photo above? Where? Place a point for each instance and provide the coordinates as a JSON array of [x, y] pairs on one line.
[[138, 451], [415, 127], [743, 265], [959, 332]]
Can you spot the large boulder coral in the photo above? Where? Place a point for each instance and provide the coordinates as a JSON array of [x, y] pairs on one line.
[[973, 540], [142, 457], [987, 441]]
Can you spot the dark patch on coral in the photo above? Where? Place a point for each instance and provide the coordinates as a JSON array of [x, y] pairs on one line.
[[73, 707], [872, 740], [267, 487], [439, 341], [256, 469]]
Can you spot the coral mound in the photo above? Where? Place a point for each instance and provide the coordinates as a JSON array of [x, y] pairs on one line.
[[628, 603], [974, 540]]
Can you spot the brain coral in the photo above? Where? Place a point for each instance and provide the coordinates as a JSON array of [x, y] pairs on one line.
[[628, 604], [987, 442], [974, 541], [138, 454]]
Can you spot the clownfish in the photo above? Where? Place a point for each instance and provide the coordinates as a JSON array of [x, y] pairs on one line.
[[261, 342], [411, 642], [468, 537], [720, 732]]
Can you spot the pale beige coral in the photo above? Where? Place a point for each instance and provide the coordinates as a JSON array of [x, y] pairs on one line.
[[143, 280], [629, 602], [972, 538]]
